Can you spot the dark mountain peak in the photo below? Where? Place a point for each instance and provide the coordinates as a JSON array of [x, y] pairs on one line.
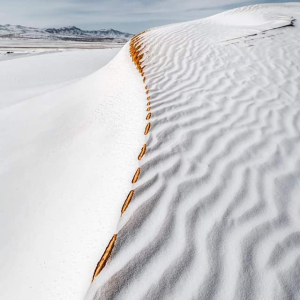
[[65, 30], [71, 27], [67, 33]]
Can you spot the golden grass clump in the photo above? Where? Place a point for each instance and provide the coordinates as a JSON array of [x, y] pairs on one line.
[[136, 51], [127, 201], [143, 151], [147, 129], [102, 262], [136, 175]]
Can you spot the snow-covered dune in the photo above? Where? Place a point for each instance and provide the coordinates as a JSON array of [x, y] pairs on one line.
[[216, 211], [67, 154], [27, 77]]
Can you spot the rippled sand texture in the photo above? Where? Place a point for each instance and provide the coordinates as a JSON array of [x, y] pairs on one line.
[[216, 210]]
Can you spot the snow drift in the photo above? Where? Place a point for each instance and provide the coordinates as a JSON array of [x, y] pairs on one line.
[[216, 212], [68, 148]]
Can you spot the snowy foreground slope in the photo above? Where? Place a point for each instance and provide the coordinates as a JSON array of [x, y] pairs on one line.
[[68, 148], [25, 77], [216, 211]]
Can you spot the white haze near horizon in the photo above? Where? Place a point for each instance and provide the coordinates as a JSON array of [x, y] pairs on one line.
[[129, 16]]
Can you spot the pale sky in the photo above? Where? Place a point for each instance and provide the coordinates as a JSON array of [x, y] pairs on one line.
[[125, 15]]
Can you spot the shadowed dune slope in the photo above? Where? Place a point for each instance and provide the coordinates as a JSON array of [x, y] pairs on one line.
[[216, 212]]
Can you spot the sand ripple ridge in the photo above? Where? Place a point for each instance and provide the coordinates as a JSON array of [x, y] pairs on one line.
[[216, 211]]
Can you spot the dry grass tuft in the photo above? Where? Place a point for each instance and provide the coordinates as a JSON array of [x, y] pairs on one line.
[[127, 201], [102, 262], [136, 52]]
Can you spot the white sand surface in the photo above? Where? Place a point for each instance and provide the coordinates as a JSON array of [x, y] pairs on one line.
[[27, 43], [27, 77], [69, 142], [216, 210], [13, 53]]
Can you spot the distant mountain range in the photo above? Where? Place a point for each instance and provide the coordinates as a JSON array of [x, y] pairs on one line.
[[71, 33]]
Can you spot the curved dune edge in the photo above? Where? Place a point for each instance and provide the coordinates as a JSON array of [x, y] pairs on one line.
[[136, 53]]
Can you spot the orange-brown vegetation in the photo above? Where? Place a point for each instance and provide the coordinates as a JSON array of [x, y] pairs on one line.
[[136, 175], [136, 51], [102, 262], [143, 151], [147, 129], [127, 201]]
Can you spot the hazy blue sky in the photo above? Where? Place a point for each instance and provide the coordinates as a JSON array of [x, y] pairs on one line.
[[125, 15]]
